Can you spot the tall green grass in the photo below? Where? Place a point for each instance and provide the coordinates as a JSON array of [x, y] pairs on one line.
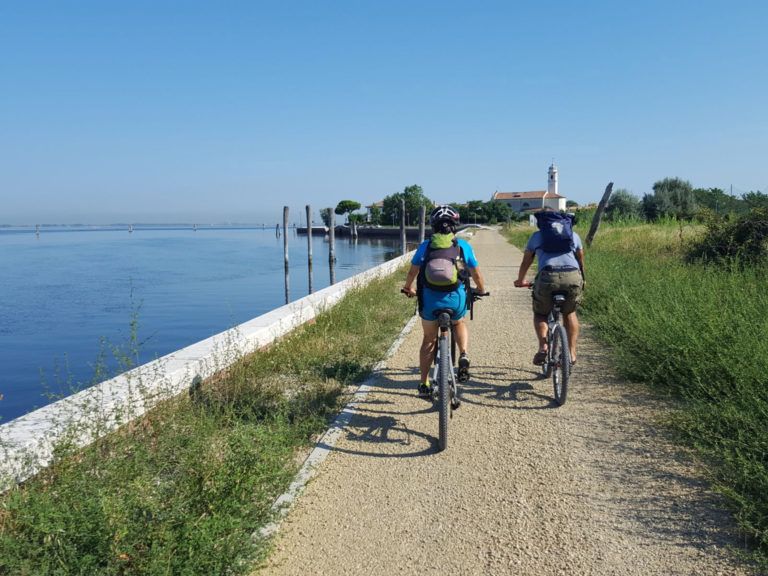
[[181, 490], [695, 333]]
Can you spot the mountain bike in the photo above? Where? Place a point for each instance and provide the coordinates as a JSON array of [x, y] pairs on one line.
[[558, 360], [444, 373]]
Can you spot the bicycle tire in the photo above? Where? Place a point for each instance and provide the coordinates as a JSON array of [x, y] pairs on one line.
[[444, 404], [561, 358]]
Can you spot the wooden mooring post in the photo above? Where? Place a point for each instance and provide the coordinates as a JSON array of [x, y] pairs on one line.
[[309, 245], [402, 226], [422, 215], [332, 244], [285, 250]]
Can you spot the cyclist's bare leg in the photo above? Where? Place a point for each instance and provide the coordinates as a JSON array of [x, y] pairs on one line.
[[571, 323], [427, 351], [461, 333], [541, 328]]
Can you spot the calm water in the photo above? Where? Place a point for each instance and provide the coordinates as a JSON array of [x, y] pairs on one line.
[[66, 291]]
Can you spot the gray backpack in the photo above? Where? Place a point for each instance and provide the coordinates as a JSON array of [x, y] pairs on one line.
[[440, 270]]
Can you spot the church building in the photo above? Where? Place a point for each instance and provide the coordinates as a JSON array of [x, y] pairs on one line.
[[536, 200]]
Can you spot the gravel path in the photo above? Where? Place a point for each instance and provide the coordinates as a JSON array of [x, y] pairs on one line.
[[525, 487]]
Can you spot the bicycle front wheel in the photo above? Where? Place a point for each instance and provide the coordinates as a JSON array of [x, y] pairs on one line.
[[561, 364], [445, 392]]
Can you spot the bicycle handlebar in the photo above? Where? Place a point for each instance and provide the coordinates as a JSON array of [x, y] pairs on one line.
[[476, 294], [404, 291]]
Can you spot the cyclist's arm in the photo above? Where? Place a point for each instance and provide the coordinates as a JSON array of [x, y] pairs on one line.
[[528, 257], [478, 278], [413, 272]]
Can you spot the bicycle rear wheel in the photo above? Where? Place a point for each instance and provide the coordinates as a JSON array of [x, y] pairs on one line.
[[561, 364], [444, 404]]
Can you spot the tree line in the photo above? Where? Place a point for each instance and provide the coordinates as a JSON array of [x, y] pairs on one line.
[[735, 230], [737, 227], [677, 198], [388, 214]]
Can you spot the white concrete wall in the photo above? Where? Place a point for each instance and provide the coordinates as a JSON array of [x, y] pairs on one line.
[[27, 443]]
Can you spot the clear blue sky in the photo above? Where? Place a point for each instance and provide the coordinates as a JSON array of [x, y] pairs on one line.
[[128, 111]]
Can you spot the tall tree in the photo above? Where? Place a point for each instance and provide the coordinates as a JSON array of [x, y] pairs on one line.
[[346, 207], [623, 204], [375, 215], [756, 199], [719, 201], [414, 199], [475, 211], [671, 197], [496, 211]]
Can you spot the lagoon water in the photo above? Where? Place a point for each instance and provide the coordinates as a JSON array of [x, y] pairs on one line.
[[69, 296]]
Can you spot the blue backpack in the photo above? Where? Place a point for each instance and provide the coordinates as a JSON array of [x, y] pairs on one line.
[[556, 231]]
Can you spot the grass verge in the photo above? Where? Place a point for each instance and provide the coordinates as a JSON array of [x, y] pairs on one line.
[[181, 490]]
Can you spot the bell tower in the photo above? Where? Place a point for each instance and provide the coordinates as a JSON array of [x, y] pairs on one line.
[[552, 180]]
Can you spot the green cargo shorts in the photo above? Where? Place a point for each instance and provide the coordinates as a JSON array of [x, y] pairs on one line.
[[548, 282]]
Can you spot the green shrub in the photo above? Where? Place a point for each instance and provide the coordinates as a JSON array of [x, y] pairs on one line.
[[733, 240]]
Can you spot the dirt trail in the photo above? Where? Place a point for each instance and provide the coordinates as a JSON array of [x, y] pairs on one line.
[[525, 487]]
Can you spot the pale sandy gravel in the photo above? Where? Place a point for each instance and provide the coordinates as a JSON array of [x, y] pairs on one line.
[[525, 487]]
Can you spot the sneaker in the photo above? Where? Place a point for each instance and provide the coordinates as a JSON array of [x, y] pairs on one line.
[[463, 374], [425, 390], [540, 357]]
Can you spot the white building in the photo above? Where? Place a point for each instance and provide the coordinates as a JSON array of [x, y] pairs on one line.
[[536, 200]]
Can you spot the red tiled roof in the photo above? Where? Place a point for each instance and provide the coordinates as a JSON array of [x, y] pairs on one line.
[[524, 195]]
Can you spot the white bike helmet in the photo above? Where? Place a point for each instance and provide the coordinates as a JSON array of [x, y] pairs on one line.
[[444, 219]]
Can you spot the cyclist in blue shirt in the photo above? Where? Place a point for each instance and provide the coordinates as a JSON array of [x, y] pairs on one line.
[[557, 272], [442, 246]]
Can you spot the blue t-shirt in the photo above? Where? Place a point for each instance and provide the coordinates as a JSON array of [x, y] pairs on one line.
[[553, 258]]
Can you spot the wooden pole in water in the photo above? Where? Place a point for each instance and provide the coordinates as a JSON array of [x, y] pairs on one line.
[[285, 250], [402, 225], [332, 244], [331, 236], [309, 245], [422, 214]]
